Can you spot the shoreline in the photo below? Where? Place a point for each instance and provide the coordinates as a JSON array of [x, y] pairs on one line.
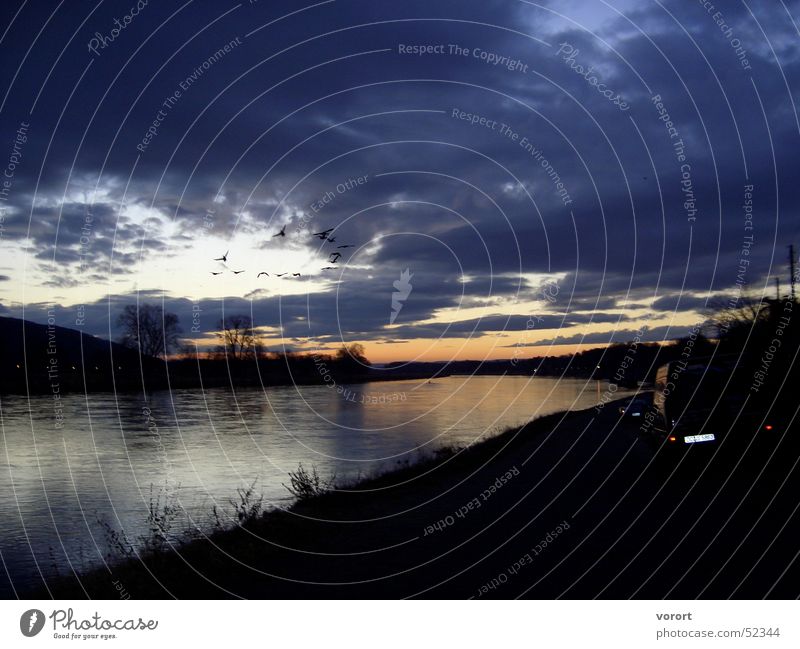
[[573, 505], [127, 388], [353, 516]]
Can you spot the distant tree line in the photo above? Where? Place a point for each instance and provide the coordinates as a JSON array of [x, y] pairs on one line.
[[762, 334], [746, 327], [151, 331]]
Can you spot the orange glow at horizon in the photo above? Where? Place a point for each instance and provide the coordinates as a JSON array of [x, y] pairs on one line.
[[449, 349], [458, 349], [497, 345]]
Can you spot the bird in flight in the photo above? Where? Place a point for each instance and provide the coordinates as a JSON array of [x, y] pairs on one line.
[[236, 272], [279, 274], [224, 257], [331, 239], [324, 234], [262, 273], [329, 268], [282, 233], [295, 274], [349, 245], [334, 257], [219, 273]]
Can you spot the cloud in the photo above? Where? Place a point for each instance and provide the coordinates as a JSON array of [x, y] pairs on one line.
[[686, 302], [252, 145]]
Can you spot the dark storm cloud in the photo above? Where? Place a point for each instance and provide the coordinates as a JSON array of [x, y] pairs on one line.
[[476, 327], [61, 224], [625, 236], [686, 302], [654, 334]]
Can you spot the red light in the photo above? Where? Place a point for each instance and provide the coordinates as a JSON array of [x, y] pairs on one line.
[[768, 427]]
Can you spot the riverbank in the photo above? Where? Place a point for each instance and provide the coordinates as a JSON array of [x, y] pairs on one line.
[[569, 505], [81, 377]]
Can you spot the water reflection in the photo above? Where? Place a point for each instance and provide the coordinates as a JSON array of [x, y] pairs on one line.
[[115, 453]]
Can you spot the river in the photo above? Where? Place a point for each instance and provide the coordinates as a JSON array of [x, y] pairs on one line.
[[65, 488]]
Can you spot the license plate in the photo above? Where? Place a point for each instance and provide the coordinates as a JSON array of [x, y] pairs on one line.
[[692, 439]]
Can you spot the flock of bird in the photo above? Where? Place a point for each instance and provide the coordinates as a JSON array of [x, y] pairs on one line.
[[333, 258]]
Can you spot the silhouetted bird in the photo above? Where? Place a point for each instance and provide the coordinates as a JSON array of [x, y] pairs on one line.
[[282, 233], [224, 257], [279, 274], [219, 273], [331, 239], [262, 273], [334, 257], [329, 268], [236, 272], [295, 274], [349, 245], [324, 234]]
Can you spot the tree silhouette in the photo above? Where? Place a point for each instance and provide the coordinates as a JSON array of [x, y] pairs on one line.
[[238, 340], [149, 329], [737, 317], [351, 359]]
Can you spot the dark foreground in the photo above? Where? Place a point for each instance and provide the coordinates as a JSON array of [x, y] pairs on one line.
[[570, 506]]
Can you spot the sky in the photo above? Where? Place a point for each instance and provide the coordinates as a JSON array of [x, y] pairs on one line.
[[515, 178]]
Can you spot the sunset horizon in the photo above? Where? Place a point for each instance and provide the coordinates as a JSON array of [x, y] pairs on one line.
[[341, 303]]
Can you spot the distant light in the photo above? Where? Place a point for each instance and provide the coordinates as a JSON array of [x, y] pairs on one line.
[[672, 438], [768, 427], [17, 365]]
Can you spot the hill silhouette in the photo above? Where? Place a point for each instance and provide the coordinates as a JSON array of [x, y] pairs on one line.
[[44, 358]]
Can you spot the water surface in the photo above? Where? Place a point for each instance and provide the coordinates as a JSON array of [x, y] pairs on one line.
[[62, 489]]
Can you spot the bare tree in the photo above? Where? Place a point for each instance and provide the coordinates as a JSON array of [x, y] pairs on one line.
[[238, 339], [149, 329], [736, 316]]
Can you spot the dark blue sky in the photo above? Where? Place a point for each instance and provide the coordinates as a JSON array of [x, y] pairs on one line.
[[242, 116]]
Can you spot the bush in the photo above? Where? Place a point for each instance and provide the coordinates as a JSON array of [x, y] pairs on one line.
[[307, 484], [248, 508], [161, 514]]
